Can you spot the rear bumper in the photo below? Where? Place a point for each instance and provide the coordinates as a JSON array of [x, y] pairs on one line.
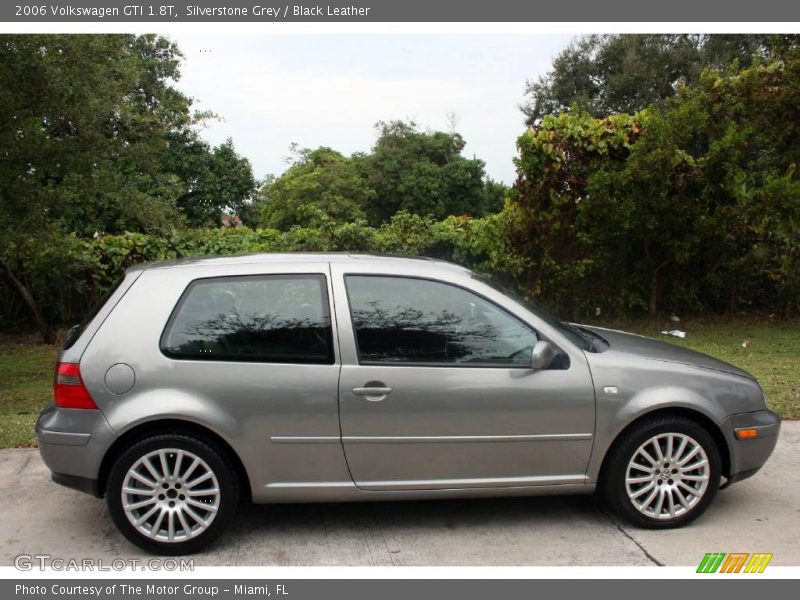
[[748, 456], [72, 444]]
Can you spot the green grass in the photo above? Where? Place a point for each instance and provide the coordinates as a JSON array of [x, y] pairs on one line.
[[26, 380], [773, 356]]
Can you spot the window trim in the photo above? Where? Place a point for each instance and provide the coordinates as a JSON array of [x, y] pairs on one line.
[[438, 365], [326, 306]]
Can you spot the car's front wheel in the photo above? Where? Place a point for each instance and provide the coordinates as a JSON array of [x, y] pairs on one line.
[[172, 493], [664, 473]]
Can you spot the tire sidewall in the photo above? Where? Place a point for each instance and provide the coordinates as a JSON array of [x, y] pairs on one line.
[[614, 487], [214, 458]]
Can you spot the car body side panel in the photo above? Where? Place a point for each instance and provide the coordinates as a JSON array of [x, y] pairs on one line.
[[251, 405], [462, 426], [644, 385]]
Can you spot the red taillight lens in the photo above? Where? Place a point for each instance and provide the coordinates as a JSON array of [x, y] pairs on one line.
[[68, 389]]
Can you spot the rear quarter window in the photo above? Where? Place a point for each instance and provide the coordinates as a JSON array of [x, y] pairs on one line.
[[263, 318]]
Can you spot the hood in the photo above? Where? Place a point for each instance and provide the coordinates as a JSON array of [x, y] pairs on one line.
[[645, 347]]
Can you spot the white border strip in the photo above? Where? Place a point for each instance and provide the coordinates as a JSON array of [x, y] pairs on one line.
[[294, 28], [285, 573]]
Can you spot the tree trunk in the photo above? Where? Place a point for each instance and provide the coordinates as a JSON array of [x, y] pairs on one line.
[[48, 336], [653, 304]]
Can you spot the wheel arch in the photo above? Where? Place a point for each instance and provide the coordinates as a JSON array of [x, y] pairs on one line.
[[676, 411], [164, 426]]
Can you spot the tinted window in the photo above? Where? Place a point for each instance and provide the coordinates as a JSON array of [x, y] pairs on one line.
[[407, 320], [269, 318], [76, 331]]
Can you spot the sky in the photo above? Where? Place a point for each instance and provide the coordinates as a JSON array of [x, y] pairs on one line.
[[272, 90]]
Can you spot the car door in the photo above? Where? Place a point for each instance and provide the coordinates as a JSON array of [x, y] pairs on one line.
[[436, 389]]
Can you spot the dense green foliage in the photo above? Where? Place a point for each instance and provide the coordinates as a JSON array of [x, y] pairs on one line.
[[94, 137], [407, 170], [90, 267], [609, 74], [695, 205], [662, 186]]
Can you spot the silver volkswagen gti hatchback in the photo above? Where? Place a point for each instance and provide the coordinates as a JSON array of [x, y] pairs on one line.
[[325, 377]]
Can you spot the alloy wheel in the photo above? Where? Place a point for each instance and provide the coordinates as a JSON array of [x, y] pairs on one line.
[[667, 476], [170, 495]]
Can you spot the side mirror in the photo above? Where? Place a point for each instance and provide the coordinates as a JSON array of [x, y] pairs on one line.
[[542, 355]]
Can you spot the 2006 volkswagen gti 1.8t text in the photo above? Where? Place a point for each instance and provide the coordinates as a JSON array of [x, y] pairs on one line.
[[325, 377]]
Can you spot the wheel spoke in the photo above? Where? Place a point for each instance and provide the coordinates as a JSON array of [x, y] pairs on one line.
[[162, 457], [140, 504], [191, 469], [204, 477], [668, 451], [142, 479], [184, 524], [660, 501], [190, 511], [646, 454], [171, 526], [178, 459], [138, 491], [689, 456], [208, 507], [681, 498], [643, 490], [659, 455], [203, 492], [145, 516], [149, 466], [649, 500], [157, 525], [638, 479], [694, 477], [670, 503], [681, 449], [694, 466]]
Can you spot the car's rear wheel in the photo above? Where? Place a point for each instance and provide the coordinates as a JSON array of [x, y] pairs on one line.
[[663, 473], [172, 493]]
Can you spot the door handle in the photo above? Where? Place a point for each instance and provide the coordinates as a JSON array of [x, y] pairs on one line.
[[373, 393]]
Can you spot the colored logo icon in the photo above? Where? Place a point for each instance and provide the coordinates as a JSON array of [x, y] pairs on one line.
[[734, 562]]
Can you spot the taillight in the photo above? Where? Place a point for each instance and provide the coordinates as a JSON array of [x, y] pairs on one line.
[[68, 389]]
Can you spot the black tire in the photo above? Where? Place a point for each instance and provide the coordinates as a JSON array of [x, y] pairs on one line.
[[613, 481], [217, 462]]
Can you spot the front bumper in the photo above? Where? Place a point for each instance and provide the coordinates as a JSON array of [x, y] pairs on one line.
[[748, 456], [72, 444]]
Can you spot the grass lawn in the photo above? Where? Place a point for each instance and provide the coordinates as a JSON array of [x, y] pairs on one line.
[[26, 381], [773, 356]]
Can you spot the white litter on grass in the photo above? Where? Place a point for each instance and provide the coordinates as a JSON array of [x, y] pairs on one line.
[[675, 333]]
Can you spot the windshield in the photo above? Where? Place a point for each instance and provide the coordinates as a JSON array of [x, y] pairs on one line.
[[579, 337]]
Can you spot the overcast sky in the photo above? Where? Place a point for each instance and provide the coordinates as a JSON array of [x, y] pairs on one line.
[[330, 90]]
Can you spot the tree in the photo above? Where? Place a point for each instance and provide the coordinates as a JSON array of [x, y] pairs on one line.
[[215, 180], [422, 173], [319, 182], [609, 74], [690, 204], [87, 124]]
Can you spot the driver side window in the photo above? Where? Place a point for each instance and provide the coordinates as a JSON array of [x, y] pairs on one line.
[[405, 320]]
